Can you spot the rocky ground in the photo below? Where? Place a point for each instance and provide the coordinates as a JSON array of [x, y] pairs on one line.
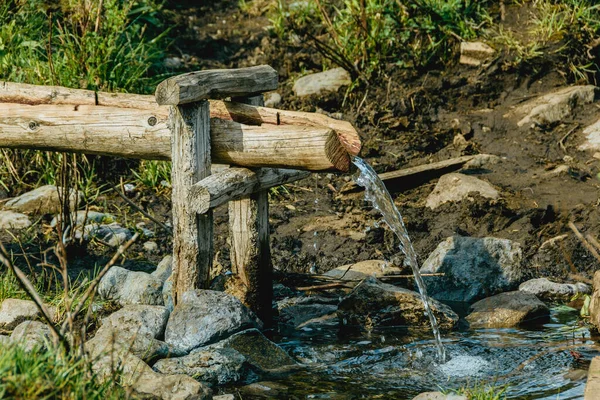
[[513, 229]]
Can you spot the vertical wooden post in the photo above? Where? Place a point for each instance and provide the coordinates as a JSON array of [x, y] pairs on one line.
[[250, 247], [192, 233]]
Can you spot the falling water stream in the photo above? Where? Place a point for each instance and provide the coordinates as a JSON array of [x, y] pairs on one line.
[[378, 195]]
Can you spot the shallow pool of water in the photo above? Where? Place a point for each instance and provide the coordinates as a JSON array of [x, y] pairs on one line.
[[547, 362]]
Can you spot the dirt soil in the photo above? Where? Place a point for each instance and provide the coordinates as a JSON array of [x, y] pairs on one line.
[[407, 119]]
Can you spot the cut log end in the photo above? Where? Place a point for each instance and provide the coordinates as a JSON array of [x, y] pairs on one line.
[[337, 153], [167, 93]]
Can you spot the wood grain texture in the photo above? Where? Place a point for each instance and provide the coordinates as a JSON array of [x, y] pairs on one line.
[[252, 115], [130, 132], [192, 233], [234, 111], [216, 84], [233, 183]]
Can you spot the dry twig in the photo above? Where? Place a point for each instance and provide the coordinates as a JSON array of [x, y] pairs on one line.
[[583, 241]]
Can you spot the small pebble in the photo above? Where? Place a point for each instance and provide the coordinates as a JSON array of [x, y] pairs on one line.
[[151, 246]]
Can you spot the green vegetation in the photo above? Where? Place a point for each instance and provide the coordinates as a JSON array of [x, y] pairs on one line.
[[50, 374], [481, 391], [109, 45], [363, 36], [151, 173]]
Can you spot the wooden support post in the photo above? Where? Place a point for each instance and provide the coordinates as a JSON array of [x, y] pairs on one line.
[[250, 246], [192, 233]]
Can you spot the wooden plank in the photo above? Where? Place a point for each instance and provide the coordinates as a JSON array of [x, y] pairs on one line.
[[129, 132], [234, 183], [192, 233], [409, 177], [216, 84]]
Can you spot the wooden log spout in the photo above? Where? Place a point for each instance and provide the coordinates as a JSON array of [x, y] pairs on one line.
[[61, 119]]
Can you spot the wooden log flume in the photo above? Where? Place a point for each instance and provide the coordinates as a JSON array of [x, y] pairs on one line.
[[62, 119]]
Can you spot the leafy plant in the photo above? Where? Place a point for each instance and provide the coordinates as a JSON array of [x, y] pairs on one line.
[[364, 35]]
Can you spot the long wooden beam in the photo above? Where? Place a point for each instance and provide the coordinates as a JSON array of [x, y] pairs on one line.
[[242, 113], [144, 134], [234, 183], [135, 126]]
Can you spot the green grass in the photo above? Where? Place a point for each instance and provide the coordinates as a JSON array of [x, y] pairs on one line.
[[109, 45], [51, 374], [363, 36]]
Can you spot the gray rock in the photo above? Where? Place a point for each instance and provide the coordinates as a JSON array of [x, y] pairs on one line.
[[330, 80], [363, 269], [457, 187], [31, 335], [545, 289], [438, 396], [112, 234], [272, 99], [264, 356], [554, 106], [135, 329], [481, 161], [142, 380], [592, 137], [205, 316], [224, 397], [84, 217], [13, 220], [131, 287], [506, 310], [595, 301], [214, 366], [4, 339], [373, 304], [164, 269], [151, 246], [15, 311], [167, 294], [297, 311], [43, 200], [474, 268], [475, 53]]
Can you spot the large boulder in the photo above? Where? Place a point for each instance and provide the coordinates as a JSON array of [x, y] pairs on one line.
[[15, 311], [31, 335], [373, 304], [231, 360], [363, 269], [206, 316], [474, 268], [545, 289], [457, 187], [131, 287], [508, 309], [554, 106], [135, 329], [136, 375], [327, 81], [43, 200], [13, 220], [595, 302]]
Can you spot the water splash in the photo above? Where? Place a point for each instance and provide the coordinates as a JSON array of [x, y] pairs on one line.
[[378, 195]]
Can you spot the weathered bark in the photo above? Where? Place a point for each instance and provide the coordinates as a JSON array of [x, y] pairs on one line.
[[234, 111], [216, 84], [192, 233], [130, 132], [234, 183]]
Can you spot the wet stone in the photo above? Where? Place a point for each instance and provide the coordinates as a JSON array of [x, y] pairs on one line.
[[373, 304], [545, 289], [206, 316], [508, 309]]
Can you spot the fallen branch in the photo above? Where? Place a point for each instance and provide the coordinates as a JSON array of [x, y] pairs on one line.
[[415, 175], [583, 241], [326, 286], [33, 294], [92, 288]]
